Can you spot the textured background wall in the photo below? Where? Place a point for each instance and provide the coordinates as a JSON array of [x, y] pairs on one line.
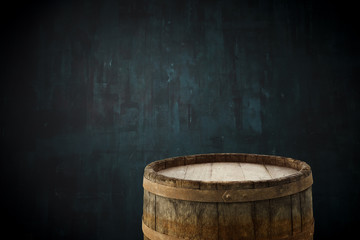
[[92, 91]]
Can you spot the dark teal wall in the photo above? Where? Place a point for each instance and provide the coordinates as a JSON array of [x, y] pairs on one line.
[[94, 90]]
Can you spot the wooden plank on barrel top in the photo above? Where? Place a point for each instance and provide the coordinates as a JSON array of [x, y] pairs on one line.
[[222, 171], [255, 172], [175, 172], [198, 172], [278, 171]]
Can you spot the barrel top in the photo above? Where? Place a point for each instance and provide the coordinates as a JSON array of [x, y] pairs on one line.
[[227, 172]]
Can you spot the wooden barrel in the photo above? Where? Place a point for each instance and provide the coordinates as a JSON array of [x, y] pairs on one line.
[[228, 196]]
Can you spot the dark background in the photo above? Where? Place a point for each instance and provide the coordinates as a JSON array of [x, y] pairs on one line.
[[92, 91]]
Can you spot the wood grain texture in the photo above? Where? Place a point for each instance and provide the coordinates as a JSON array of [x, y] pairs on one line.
[[280, 217], [235, 221], [227, 171], [306, 208], [262, 219], [296, 213], [279, 171], [149, 211], [186, 219], [255, 172]]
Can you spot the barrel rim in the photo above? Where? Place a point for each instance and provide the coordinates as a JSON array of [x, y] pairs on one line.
[[151, 170]]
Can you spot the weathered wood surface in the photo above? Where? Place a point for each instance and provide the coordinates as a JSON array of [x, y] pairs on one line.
[[227, 171], [224, 192], [289, 217]]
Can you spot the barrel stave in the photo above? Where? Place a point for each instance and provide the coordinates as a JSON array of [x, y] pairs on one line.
[[186, 219]]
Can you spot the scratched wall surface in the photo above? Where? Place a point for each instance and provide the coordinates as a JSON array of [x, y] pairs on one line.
[[92, 91]]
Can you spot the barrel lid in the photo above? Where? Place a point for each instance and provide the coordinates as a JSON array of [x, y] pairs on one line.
[[226, 171]]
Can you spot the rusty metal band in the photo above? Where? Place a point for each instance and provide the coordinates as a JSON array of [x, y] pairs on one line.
[[235, 195], [154, 235]]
